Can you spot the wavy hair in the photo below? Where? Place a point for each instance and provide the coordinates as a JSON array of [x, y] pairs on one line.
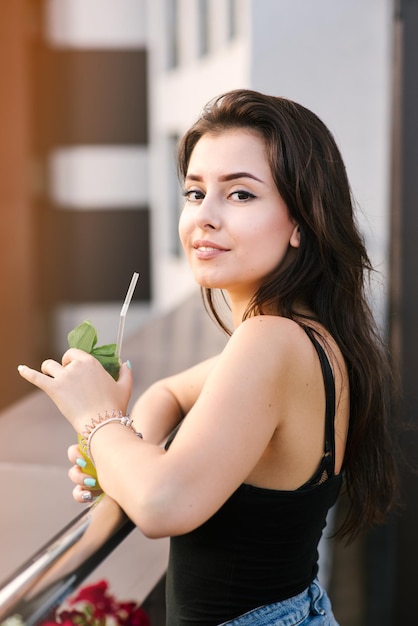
[[329, 274]]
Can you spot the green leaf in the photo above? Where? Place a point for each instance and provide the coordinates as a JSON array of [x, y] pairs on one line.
[[83, 337], [106, 350], [110, 363]]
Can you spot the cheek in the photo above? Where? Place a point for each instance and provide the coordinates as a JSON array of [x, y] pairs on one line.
[[184, 227], [271, 240], [181, 225], [269, 232]]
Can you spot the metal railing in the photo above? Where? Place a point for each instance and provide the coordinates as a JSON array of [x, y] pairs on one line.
[[41, 584]]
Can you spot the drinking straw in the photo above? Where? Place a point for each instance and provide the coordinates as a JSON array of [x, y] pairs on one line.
[[124, 311]]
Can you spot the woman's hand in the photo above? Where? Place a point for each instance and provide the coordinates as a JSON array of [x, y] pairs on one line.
[[80, 387], [86, 487]]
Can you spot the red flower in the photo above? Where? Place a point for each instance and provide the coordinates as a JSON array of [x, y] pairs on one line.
[[97, 596], [129, 614], [94, 604]]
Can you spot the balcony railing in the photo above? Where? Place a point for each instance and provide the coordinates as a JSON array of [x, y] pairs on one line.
[[38, 587]]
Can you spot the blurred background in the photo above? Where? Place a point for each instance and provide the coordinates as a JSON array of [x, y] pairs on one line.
[[94, 96]]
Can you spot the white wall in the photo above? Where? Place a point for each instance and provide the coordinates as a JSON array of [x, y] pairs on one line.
[[96, 23], [336, 59]]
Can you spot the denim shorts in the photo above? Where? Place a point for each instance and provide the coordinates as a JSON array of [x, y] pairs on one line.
[[309, 608]]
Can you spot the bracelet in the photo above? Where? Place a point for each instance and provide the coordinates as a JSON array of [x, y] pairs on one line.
[[96, 424]]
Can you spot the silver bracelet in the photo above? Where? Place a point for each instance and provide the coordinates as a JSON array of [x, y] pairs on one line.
[[96, 424]]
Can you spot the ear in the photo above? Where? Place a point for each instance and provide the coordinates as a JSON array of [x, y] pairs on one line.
[[295, 237]]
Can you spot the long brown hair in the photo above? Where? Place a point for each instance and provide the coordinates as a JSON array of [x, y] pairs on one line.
[[329, 274]]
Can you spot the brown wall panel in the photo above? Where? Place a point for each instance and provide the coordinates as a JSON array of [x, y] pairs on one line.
[[18, 312], [88, 96], [90, 256]]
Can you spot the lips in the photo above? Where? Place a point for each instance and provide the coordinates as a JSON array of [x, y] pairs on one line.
[[206, 246], [206, 250]]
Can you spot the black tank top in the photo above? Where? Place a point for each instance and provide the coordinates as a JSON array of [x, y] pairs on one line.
[[260, 547]]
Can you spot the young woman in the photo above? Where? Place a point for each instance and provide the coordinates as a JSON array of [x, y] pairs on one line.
[[296, 405]]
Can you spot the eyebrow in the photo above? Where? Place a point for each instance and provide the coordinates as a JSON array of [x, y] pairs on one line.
[[226, 177]]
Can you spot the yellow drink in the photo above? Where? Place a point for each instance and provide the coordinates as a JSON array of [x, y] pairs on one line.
[[89, 469]]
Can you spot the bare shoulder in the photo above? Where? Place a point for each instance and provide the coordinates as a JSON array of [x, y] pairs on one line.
[[281, 346], [259, 334], [282, 365]]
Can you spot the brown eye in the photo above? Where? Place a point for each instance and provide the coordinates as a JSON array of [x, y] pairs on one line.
[[193, 195], [242, 195]]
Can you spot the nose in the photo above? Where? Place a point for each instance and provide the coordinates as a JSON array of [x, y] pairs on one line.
[[207, 216]]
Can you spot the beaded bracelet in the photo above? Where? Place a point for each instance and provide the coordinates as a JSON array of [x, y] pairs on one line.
[[96, 424]]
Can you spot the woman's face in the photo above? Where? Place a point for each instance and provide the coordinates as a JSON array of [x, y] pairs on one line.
[[235, 227]]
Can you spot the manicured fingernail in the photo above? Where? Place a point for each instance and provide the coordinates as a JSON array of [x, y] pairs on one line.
[[20, 367], [90, 482], [129, 364], [86, 496], [81, 462]]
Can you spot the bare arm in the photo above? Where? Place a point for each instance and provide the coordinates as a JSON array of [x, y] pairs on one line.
[[236, 403], [226, 432], [164, 404]]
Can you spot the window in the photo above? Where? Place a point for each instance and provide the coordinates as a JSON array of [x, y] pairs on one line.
[[175, 201], [232, 18], [203, 28], [171, 22]]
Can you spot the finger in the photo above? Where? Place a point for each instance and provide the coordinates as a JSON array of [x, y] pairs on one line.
[[51, 367], [73, 453], [80, 464], [125, 377], [82, 495], [74, 354], [33, 376], [77, 476]]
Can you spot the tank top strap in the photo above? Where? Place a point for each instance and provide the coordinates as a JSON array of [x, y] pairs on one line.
[[329, 448]]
